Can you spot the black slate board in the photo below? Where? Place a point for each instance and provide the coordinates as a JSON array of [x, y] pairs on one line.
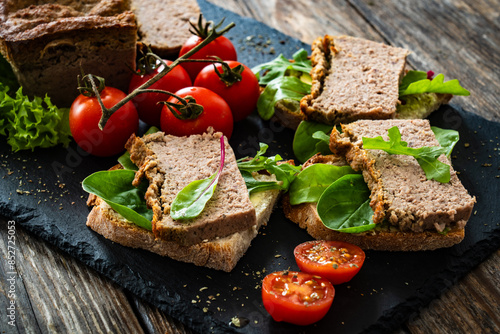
[[41, 190]]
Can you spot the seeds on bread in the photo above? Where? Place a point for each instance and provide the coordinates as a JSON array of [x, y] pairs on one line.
[[170, 163]]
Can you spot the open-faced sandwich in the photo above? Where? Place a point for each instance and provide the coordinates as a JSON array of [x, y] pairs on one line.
[[407, 197], [346, 79], [168, 178]]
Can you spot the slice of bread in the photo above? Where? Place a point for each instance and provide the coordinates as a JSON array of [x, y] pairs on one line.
[[170, 163], [384, 238], [353, 78], [221, 254], [164, 24]]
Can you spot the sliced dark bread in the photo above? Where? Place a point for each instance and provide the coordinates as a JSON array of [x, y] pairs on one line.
[[400, 191], [170, 163], [353, 78]]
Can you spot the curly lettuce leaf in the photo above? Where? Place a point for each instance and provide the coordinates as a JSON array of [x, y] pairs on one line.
[[32, 123], [416, 82]]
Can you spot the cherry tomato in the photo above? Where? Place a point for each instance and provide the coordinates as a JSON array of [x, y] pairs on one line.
[[216, 113], [336, 261], [221, 47], [147, 103], [296, 297], [84, 116], [241, 96]]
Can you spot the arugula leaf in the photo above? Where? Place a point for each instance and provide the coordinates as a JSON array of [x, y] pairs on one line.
[[446, 138], [307, 141], [311, 182], [191, 200], [416, 83], [284, 172], [281, 67], [115, 188], [427, 157], [345, 205], [279, 89], [32, 123], [254, 185]]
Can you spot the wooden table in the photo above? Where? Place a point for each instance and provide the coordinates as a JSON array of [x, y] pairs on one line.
[[460, 39]]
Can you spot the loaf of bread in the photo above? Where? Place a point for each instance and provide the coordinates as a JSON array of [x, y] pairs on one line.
[[48, 43]]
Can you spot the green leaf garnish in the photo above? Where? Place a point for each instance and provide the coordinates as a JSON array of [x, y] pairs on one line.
[[345, 205], [446, 138], [191, 200], [311, 182], [284, 172], [279, 89], [281, 67], [416, 82], [32, 123], [427, 157], [115, 188], [307, 141], [254, 185]]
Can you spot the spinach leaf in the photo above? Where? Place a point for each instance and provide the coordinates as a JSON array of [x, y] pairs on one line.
[[416, 83], [254, 185], [126, 163], [446, 138], [307, 141], [427, 157], [314, 180], [278, 89], [345, 205], [281, 67], [115, 188], [191, 200]]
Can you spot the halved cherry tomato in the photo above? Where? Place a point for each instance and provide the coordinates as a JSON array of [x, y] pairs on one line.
[[147, 103], [221, 47], [296, 297], [216, 113], [336, 261], [242, 96]]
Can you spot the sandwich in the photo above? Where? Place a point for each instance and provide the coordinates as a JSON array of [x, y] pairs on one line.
[[351, 78], [405, 209], [166, 165]]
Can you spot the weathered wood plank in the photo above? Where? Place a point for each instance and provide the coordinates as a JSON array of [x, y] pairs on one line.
[[304, 19], [58, 294], [450, 37]]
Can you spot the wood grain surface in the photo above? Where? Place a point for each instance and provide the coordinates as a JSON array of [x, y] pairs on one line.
[[55, 293]]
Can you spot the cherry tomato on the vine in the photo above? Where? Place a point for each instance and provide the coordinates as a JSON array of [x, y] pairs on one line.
[[147, 103], [296, 297], [216, 113], [221, 47], [336, 261], [84, 116], [242, 96]]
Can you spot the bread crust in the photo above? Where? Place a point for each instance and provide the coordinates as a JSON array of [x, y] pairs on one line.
[[306, 216], [221, 254]]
